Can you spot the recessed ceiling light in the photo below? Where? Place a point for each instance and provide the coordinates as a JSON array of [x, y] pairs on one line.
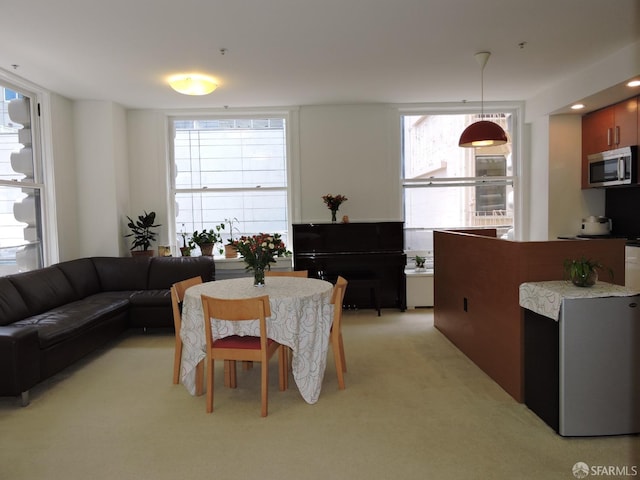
[[193, 84], [577, 106], [634, 83]]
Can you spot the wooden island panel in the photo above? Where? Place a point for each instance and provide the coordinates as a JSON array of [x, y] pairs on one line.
[[476, 292]]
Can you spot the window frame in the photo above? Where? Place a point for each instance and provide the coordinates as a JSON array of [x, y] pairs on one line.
[[515, 109], [42, 147], [292, 190]]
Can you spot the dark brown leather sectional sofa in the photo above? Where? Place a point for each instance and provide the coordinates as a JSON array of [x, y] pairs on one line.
[[51, 317]]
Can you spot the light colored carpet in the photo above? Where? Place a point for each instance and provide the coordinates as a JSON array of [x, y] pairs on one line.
[[414, 408]]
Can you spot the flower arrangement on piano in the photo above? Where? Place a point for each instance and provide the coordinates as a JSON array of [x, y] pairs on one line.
[[259, 252], [333, 203]]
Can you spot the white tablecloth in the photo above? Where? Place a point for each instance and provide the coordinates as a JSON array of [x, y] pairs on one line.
[[301, 316], [545, 298]]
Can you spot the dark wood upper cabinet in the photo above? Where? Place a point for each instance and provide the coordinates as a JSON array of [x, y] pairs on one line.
[[609, 128]]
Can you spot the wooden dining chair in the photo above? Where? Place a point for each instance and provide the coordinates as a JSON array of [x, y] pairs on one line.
[[177, 297], [286, 273], [235, 347], [337, 345]]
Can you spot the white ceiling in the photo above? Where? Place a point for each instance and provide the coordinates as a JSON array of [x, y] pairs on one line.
[[302, 52]]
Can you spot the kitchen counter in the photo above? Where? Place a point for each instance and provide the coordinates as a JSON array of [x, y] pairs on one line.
[[477, 278], [545, 298]]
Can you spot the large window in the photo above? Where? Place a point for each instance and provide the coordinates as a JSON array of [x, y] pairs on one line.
[[446, 186], [230, 168], [21, 186]]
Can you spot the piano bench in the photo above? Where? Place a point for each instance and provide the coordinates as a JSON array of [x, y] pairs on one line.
[[366, 280]]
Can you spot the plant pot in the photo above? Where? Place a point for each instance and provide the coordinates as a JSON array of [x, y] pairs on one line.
[[588, 280], [185, 251], [230, 251], [206, 249], [143, 253]]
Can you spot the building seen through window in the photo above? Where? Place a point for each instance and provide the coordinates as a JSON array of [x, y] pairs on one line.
[[446, 186], [20, 186]]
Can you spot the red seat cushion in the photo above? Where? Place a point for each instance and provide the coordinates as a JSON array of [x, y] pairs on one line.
[[236, 341]]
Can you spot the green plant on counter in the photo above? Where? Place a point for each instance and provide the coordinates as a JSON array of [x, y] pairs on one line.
[[583, 272]]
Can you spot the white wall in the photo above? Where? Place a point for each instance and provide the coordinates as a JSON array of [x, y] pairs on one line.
[[122, 166], [568, 203], [351, 150], [148, 169], [555, 203], [64, 171], [102, 181]]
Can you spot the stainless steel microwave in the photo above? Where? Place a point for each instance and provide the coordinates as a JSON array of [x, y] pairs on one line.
[[614, 167]]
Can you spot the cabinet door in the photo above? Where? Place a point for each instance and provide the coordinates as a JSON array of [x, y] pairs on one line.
[[597, 131], [626, 123]]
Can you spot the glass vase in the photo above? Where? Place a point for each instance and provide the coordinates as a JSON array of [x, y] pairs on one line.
[[333, 215], [258, 276]]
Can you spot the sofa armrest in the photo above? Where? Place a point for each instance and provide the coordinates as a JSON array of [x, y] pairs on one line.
[[19, 360]]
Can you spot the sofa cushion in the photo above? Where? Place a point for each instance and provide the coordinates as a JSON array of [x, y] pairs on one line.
[[82, 276], [147, 298], [43, 289], [63, 322], [12, 306], [165, 271], [122, 273]]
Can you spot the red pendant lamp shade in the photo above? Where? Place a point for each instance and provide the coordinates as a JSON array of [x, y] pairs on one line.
[[483, 133]]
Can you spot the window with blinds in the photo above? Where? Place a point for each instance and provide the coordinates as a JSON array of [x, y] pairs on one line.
[[230, 169]]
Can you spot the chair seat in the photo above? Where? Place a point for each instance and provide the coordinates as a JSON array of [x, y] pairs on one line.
[[237, 341]]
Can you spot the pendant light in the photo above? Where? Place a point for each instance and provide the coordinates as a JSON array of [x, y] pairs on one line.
[[482, 133]]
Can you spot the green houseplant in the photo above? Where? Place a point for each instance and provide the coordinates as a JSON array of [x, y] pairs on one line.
[[206, 239], [142, 231], [420, 261], [230, 250], [583, 272]]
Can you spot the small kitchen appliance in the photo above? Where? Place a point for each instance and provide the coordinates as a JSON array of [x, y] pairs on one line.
[[596, 226]]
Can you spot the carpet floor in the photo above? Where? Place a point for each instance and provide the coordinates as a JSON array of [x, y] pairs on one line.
[[414, 408]]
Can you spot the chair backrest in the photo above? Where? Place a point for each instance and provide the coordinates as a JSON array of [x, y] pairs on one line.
[[177, 296], [237, 309], [280, 273], [337, 297], [339, 290]]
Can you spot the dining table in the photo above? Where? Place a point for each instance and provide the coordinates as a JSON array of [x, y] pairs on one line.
[[301, 318]]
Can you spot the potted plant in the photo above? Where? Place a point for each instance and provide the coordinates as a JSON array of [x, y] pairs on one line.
[[187, 247], [420, 261], [230, 250], [207, 239], [142, 233], [583, 272]]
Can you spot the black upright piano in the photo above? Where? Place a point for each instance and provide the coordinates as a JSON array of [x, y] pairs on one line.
[[369, 255]]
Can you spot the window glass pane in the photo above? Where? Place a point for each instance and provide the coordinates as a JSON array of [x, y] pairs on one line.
[[20, 193], [446, 186], [20, 241], [16, 153], [231, 169]]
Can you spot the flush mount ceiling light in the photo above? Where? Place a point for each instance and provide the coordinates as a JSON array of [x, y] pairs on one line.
[[482, 133], [193, 84]]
